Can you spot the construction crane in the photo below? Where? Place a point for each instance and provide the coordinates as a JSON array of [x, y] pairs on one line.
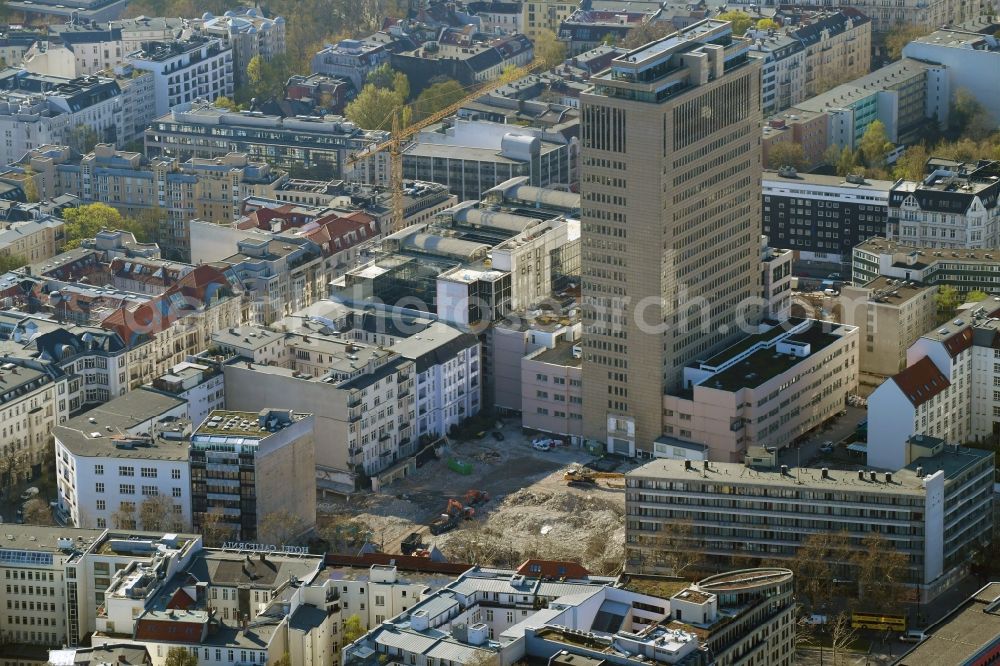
[[400, 134]]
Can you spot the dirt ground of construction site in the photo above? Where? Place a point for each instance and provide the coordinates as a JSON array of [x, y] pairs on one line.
[[531, 512]]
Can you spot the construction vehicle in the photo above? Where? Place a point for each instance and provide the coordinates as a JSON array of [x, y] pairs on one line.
[[584, 475], [400, 134], [411, 544], [476, 498], [454, 513]]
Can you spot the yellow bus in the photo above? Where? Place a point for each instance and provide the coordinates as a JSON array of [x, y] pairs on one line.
[[879, 622]]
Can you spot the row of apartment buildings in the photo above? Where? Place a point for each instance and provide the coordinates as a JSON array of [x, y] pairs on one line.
[[810, 58], [135, 595], [82, 47], [823, 218]]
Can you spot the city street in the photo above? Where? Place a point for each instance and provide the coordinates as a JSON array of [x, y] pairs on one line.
[[839, 429]]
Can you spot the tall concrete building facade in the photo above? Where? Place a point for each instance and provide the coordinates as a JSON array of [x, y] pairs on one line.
[[670, 171]]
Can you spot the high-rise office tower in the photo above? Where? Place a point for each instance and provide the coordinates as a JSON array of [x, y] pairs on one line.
[[670, 177]]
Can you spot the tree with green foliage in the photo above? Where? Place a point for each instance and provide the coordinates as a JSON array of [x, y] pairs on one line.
[[226, 103], [30, 186], [968, 118], [787, 153], [875, 145], [549, 50], [767, 24], [911, 163], [382, 76], [437, 97], [353, 629], [11, 262], [847, 161], [85, 221], [285, 660], [902, 34], [947, 299], [178, 656], [975, 296], [373, 108], [741, 20]]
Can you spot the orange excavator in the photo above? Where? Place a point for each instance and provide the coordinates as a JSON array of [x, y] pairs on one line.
[[476, 498], [453, 514]]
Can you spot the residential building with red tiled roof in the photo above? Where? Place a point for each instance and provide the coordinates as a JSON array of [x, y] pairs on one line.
[[947, 390], [165, 330]]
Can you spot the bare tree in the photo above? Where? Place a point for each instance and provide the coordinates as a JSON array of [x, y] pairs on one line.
[[816, 563], [881, 572], [483, 545], [38, 512], [214, 530], [342, 533], [483, 658], [156, 512], [675, 548], [124, 517], [842, 635], [280, 527]]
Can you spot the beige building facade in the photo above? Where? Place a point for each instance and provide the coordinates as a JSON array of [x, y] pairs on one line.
[[32, 240], [210, 189], [838, 52], [552, 390], [765, 391], [670, 223], [890, 315], [545, 15]]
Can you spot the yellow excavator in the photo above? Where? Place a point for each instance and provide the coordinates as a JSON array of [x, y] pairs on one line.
[[579, 475]]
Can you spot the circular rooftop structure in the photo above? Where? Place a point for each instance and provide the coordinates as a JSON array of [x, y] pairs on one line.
[[745, 581]]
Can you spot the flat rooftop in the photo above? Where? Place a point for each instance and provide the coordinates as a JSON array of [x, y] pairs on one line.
[[562, 354], [231, 423], [962, 634], [772, 178], [99, 432], [905, 481], [15, 540], [765, 364], [895, 292], [881, 79], [958, 39], [253, 337]]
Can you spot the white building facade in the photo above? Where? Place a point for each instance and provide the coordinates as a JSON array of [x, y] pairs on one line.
[[187, 70], [107, 465]]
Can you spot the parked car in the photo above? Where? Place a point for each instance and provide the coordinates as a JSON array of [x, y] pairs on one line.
[[913, 636], [826, 447], [541, 444], [816, 619]]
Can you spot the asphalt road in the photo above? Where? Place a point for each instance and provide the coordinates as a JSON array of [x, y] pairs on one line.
[[807, 452]]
